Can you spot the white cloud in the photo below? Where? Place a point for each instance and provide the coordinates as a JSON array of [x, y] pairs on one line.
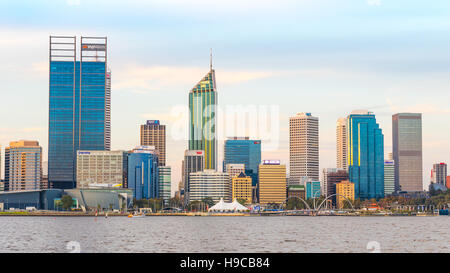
[[138, 78], [424, 108]]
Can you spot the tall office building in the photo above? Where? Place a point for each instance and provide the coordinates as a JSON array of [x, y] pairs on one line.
[[345, 190], [439, 174], [389, 177], [203, 118], [407, 151], [23, 166], [312, 189], [241, 187], [194, 161], [332, 176], [235, 169], [101, 169], [143, 172], [366, 155], [154, 134], [303, 146], [79, 104], [209, 183], [272, 182], [341, 144], [243, 150], [165, 183]]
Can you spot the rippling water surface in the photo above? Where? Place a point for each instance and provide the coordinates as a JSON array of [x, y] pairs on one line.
[[225, 234]]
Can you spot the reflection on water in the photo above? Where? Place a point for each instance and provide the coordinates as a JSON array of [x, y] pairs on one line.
[[225, 234]]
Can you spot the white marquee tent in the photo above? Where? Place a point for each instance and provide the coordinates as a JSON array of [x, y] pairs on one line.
[[227, 207]]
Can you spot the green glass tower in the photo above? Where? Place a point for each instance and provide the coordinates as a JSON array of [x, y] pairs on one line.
[[202, 118]]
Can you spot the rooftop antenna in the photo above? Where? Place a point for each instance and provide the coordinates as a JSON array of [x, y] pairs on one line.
[[210, 59]]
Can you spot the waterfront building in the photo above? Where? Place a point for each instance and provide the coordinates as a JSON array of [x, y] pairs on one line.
[[143, 172], [241, 187], [101, 169], [303, 146], [23, 166], [154, 134], [194, 161], [243, 150], [407, 151], [296, 191], [234, 169], [366, 155], [439, 173], [341, 144], [272, 182], [331, 176], [345, 189], [202, 118], [312, 189], [2, 185], [389, 177], [165, 183], [79, 104], [209, 183], [448, 182]]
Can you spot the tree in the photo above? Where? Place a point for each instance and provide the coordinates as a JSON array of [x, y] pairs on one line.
[[66, 202], [242, 201]]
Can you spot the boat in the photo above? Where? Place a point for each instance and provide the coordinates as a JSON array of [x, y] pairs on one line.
[[136, 215]]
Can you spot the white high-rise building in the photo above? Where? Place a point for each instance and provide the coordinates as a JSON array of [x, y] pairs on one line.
[[303, 147], [100, 169], [209, 183], [341, 144]]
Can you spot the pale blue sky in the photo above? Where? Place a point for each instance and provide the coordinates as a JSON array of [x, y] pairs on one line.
[[327, 57]]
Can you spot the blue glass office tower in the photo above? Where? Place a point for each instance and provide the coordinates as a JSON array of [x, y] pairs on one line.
[[79, 104], [143, 172], [242, 150], [366, 155]]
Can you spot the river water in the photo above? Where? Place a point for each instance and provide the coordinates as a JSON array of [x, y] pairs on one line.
[[225, 234]]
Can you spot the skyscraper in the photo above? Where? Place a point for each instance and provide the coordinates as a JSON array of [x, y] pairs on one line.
[[79, 104], [303, 146], [439, 174], [389, 176], [242, 150], [209, 183], [23, 166], [143, 174], [366, 155], [165, 183], [272, 182], [194, 161], [341, 144], [202, 118], [407, 151], [154, 134]]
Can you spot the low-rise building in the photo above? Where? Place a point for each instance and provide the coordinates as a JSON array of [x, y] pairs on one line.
[[344, 189], [209, 184], [241, 187]]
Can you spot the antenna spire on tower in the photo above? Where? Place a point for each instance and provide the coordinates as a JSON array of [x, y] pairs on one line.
[[210, 59]]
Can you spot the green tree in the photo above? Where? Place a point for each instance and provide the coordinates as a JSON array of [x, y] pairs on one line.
[[66, 202], [208, 201], [242, 201]]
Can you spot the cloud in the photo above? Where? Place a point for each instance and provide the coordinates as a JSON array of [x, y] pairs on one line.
[[424, 108], [144, 79]]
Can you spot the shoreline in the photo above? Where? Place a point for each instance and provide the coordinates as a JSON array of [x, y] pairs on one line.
[[194, 214]]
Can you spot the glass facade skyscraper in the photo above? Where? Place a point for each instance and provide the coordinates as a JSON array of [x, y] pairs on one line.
[[242, 150], [407, 151], [202, 118], [365, 155], [143, 176], [79, 105]]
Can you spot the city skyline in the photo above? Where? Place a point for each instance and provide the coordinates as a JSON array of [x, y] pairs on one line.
[[385, 89]]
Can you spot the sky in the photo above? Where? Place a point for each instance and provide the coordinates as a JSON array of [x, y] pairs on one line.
[[326, 57]]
